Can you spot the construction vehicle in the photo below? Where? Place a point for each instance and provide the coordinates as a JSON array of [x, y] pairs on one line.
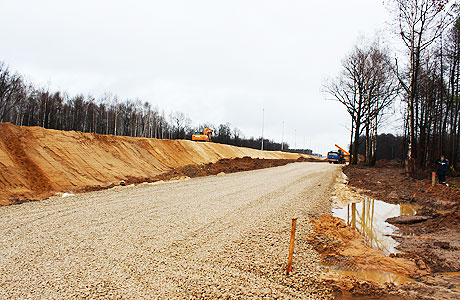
[[205, 137], [340, 156]]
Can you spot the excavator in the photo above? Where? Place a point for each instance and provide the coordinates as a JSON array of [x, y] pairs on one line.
[[338, 157], [205, 137]]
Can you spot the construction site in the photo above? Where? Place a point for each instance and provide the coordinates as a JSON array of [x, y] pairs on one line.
[[90, 216], [230, 149]]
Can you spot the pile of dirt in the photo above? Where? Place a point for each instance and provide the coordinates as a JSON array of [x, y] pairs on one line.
[[226, 165], [344, 253], [343, 247], [36, 163], [309, 159]]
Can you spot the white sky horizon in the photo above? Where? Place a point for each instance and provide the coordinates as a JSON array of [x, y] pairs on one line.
[[215, 61]]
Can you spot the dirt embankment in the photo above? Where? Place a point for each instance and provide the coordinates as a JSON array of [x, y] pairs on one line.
[[35, 163], [225, 165]]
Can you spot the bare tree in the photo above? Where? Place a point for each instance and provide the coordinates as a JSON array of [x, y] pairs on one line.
[[366, 87], [347, 88], [11, 91], [420, 23], [180, 123], [382, 89]]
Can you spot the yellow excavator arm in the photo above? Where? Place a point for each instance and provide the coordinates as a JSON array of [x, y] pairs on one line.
[[205, 137], [343, 150]]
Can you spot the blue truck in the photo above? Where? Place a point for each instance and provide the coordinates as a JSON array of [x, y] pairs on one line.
[[340, 156], [336, 157]]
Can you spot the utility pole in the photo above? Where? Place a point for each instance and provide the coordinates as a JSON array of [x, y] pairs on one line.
[[282, 137], [263, 119], [295, 138]]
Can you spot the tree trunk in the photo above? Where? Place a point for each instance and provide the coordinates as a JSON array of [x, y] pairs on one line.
[[356, 143]]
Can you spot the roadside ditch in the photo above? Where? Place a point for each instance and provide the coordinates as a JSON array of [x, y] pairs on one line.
[[389, 237]]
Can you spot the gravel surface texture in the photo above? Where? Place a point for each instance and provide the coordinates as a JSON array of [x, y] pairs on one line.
[[212, 237]]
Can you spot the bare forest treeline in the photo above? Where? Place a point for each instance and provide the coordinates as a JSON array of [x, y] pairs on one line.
[[425, 80], [391, 147], [23, 104]]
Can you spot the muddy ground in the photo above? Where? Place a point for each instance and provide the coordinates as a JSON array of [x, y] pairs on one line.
[[428, 265], [434, 240], [352, 269]]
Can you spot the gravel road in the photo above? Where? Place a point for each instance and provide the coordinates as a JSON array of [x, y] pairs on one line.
[[210, 237]]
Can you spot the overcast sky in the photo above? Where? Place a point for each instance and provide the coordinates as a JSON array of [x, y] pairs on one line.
[[216, 61]]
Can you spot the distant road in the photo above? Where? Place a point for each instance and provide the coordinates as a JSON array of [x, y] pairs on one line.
[[217, 236]]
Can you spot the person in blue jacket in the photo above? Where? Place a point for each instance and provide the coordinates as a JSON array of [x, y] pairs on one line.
[[443, 167]]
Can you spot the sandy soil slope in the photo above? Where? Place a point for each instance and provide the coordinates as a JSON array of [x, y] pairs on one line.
[[35, 163]]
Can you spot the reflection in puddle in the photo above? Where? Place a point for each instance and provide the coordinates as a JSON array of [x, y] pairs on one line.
[[368, 217], [451, 273], [453, 277], [375, 276]]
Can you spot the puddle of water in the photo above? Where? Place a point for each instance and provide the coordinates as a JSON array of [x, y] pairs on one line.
[[368, 217], [375, 276], [349, 296], [451, 273], [454, 277]]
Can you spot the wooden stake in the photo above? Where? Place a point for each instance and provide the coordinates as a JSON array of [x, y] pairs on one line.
[[332, 175], [433, 178], [291, 246]]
